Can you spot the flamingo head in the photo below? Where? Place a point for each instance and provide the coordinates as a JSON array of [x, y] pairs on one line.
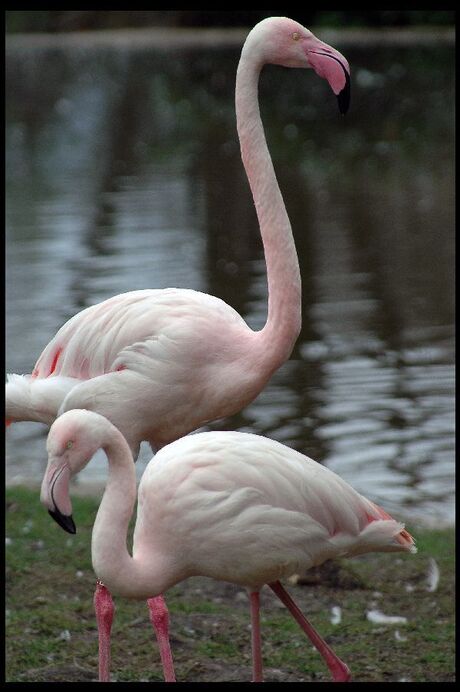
[[283, 41], [73, 439]]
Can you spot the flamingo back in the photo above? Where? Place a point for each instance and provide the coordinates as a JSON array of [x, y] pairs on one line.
[[247, 509]]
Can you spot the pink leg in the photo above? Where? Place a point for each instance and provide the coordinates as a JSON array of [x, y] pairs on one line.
[[159, 617], [340, 671], [257, 675], [104, 608]]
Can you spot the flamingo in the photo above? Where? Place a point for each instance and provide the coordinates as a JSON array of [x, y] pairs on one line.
[[161, 363], [232, 506]]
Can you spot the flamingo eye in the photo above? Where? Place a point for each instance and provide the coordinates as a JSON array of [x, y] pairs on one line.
[[295, 36], [69, 444]]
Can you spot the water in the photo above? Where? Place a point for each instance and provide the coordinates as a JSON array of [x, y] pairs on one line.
[[123, 172]]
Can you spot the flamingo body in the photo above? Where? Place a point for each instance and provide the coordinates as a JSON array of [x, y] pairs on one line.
[[160, 363], [266, 510], [251, 511], [233, 506]]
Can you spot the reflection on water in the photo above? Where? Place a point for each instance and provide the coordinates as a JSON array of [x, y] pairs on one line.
[[124, 173]]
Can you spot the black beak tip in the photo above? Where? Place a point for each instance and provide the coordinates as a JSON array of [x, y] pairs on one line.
[[343, 98], [66, 522]]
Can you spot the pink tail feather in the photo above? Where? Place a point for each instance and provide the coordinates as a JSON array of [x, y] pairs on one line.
[[403, 537]]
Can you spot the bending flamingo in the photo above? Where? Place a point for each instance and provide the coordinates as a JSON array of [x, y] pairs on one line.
[[232, 506], [161, 363]]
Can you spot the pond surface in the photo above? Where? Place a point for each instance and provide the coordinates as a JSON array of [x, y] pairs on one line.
[[123, 172]]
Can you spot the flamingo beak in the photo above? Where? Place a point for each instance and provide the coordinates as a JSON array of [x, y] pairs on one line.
[[55, 496], [333, 66], [66, 522]]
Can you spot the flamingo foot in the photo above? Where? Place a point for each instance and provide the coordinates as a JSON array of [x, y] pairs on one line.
[[341, 673]]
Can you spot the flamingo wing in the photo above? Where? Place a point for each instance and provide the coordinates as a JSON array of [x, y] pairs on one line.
[[268, 509]]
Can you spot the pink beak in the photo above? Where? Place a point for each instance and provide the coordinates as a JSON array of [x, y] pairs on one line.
[[329, 64], [55, 496]]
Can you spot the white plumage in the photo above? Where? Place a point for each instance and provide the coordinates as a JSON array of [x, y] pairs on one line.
[[232, 506], [159, 364], [252, 501]]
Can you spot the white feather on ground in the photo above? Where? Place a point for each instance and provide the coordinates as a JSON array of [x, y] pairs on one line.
[[399, 637], [336, 615], [433, 575], [379, 618]]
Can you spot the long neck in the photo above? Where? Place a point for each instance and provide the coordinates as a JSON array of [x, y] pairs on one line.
[[120, 572], [283, 275]]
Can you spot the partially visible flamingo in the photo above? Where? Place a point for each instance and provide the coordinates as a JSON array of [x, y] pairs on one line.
[[161, 363], [233, 506]]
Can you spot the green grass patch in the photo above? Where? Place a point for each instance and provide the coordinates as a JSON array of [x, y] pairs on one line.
[[51, 631]]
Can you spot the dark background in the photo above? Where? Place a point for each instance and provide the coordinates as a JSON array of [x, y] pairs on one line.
[[80, 20]]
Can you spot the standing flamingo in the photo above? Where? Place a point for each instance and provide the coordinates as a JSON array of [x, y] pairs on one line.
[[161, 363], [233, 506]]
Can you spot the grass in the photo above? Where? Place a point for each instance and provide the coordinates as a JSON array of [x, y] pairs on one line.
[[51, 632]]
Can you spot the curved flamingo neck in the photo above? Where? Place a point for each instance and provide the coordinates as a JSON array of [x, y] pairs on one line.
[[283, 275], [123, 574]]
